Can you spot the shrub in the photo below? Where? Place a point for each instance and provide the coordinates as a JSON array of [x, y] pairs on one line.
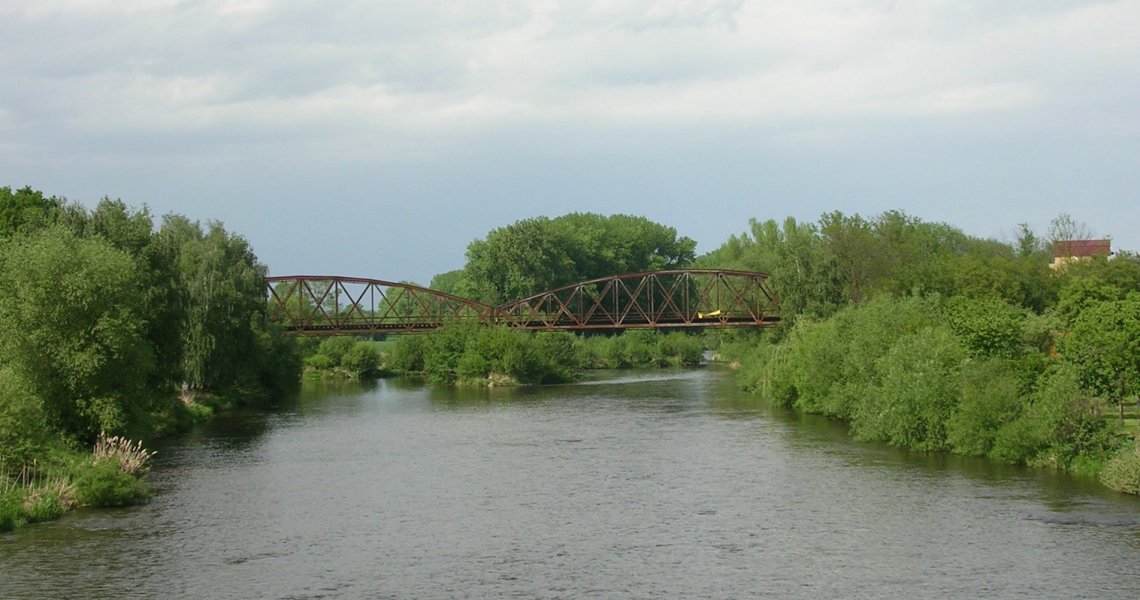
[[917, 394], [407, 355], [336, 347], [23, 433], [1122, 472], [362, 359], [11, 508], [320, 362], [43, 507], [103, 483], [990, 399]]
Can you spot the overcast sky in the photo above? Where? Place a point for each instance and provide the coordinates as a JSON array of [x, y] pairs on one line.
[[378, 138]]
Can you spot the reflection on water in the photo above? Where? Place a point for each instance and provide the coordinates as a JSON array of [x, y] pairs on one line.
[[640, 485]]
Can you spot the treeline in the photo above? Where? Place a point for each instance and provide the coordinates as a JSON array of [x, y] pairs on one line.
[[923, 337], [110, 324]]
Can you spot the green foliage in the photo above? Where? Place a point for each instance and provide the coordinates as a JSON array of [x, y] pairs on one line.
[[221, 291], [11, 508], [1122, 472], [102, 483], [638, 348], [917, 394], [335, 348], [361, 359], [101, 317], [448, 282], [538, 254], [70, 326], [1104, 344], [830, 367], [988, 326], [407, 355], [320, 362], [25, 210], [467, 352], [990, 402], [24, 434], [42, 507]]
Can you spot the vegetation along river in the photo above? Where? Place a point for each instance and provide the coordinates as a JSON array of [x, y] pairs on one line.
[[628, 485]]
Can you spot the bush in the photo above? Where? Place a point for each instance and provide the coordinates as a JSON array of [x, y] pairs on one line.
[[320, 362], [990, 399], [362, 359], [917, 395], [24, 435], [43, 507], [408, 354], [1122, 472], [11, 508], [102, 483], [336, 347]]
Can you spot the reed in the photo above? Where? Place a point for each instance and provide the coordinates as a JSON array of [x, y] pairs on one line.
[[131, 457]]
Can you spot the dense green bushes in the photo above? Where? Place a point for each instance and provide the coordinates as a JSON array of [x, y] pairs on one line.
[[345, 356], [898, 373], [468, 352], [473, 353], [639, 348], [959, 375]]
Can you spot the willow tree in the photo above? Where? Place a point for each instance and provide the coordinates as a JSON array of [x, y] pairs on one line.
[[221, 290]]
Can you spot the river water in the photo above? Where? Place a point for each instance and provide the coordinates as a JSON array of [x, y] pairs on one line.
[[663, 484]]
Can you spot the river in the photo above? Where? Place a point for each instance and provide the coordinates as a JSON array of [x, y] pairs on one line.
[[662, 484]]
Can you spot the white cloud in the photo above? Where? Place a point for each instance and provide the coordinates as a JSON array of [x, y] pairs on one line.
[[651, 61]]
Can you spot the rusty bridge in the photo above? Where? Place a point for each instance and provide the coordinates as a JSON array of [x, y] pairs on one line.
[[688, 298]]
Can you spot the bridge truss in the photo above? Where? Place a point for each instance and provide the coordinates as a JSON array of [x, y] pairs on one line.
[[684, 298]]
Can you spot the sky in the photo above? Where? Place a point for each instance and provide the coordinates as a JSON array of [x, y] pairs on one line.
[[377, 138]]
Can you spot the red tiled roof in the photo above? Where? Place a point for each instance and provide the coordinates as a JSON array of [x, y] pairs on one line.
[[1078, 248]]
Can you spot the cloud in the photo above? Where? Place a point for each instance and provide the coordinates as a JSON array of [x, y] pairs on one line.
[[595, 95], [431, 69]]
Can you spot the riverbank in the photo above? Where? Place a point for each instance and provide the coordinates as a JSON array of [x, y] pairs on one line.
[[971, 377]]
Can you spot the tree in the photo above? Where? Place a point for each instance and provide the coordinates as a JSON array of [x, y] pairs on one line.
[[25, 209], [1064, 229], [534, 255], [1104, 344], [71, 326], [221, 291]]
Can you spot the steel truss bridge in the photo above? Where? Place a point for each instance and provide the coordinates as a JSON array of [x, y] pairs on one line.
[[676, 299]]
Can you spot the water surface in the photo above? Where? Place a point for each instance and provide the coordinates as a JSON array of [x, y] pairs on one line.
[[641, 485]]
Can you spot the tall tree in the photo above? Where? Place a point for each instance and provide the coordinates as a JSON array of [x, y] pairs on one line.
[[1104, 344], [71, 325], [222, 292], [534, 255], [25, 208]]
